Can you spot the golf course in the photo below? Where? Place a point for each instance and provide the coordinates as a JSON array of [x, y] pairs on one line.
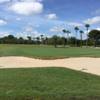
[[49, 49], [47, 83]]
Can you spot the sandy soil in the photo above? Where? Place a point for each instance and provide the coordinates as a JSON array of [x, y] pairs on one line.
[[85, 64]]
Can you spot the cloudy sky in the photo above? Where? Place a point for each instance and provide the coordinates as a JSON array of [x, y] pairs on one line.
[[48, 17]]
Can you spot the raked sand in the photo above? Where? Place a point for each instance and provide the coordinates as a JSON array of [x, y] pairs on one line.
[[85, 64]]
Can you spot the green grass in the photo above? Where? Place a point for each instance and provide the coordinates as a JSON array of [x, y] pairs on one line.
[[47, 51], [48, 84]]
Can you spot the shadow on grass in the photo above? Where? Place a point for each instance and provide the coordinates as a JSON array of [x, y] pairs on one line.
[[51, 97]]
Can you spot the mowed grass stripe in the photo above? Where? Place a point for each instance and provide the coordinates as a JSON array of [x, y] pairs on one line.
[[47, 51]]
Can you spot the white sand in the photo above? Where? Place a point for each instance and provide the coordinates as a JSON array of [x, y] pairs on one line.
[[85, 64]]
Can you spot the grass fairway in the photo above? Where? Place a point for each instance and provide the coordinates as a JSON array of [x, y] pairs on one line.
[[47, 51], [48, 84]]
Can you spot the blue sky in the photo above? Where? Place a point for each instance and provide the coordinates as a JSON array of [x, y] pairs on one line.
[[48, 17]]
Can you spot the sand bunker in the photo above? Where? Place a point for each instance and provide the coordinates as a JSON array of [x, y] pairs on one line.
[[85, 64]]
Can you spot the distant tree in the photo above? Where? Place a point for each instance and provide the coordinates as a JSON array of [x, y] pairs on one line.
[[38, 40], [81, 36], [9, 39], [72, 41], [64, 41], [76, 30], [94, 35], [55, 40], [29, 40], [20, 40], [66, 32], [46, 40], [87, 28], [42, 38]]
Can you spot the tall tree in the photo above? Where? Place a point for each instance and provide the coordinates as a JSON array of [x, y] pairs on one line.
[[20, 40], [81, 37], [46, 40], [38, 40], [42, 38], [55, 40], [94, 35], [87, 28], [76, 30], [29, 40], [66, 32]]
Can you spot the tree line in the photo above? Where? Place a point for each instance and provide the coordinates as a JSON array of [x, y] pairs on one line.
[[93, 39]]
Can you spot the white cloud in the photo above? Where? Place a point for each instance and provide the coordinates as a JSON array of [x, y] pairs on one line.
[[32, 0], [97, 11], [74, 24], [29, 29], [2, 1], [24, 34], [18, 19], [2, 22], [94, 20], [21, 34], [35, 33], [98, 28], [52, 16], [26, 8], [56, 29], [3, 34], [39, 0]]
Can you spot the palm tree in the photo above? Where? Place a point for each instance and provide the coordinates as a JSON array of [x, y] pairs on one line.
[[29, 39], [55, 40], [38, 40], [87, 28], [66, 32], [81, 36], [46, 40], [42, 38], [76, 30]]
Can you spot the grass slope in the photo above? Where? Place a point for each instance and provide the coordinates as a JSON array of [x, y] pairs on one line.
[[47, 51], [48, 84]]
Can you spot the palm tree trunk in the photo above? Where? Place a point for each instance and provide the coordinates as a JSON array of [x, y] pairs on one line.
[[81, 41], [76, 40], [87, 39], [67, 38], [95, 42], [55, 44]]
